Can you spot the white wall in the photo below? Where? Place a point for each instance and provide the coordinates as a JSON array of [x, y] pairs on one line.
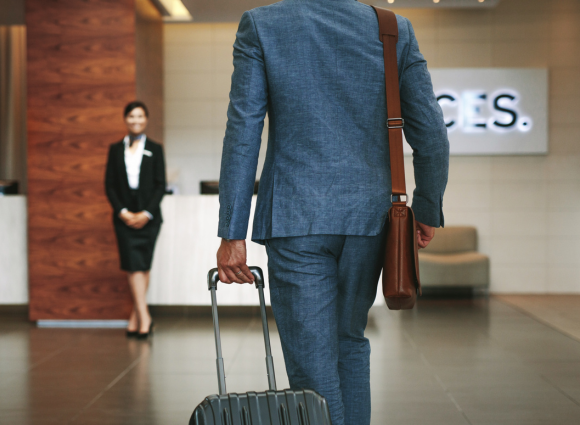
[[198, 69], [527, 208]]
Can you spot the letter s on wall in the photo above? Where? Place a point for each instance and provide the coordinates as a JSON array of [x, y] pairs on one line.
[[505, 110]]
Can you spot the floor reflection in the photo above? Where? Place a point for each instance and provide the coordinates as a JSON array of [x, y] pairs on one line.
[[456, 362]]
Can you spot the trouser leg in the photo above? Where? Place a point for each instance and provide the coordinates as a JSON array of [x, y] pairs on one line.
[[359, 269], [303, 293]]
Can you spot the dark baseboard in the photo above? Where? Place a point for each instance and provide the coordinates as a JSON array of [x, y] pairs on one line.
[[21, 310], [452, 293], [14, 310], [205, 311]]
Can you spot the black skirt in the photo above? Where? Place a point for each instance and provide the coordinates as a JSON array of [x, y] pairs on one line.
[[136, 246]]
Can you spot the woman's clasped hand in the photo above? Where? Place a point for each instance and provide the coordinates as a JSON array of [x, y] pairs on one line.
[[134, 220]]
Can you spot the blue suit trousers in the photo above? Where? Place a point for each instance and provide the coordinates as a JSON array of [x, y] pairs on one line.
[[321, 289]]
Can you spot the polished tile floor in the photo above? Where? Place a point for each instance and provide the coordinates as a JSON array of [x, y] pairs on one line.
[[559, 311], [445, 363]]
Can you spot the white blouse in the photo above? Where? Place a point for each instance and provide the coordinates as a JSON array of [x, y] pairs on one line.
[[133, 161], [133, 165]]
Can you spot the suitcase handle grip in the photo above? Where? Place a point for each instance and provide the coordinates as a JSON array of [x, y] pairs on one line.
[[213, 277], [212, 280]]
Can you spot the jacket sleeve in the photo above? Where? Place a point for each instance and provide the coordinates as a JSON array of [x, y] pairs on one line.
[[111, 183], [159, 182], [426, 132], [246, 112]]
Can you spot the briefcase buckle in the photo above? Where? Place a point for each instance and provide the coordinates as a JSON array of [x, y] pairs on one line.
[[398, 198], [400, 123]]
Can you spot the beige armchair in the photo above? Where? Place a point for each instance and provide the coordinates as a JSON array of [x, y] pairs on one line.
[[451, 261]]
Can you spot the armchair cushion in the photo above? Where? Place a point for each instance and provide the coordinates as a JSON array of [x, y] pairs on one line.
[[453, 240], [460, 269]]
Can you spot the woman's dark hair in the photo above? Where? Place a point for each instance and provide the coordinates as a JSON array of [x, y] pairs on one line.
[[134, 105]]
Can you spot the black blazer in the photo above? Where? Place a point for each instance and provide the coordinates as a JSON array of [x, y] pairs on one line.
[[151, 179]]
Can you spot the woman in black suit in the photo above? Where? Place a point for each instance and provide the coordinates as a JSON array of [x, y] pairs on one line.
[[135, 185]]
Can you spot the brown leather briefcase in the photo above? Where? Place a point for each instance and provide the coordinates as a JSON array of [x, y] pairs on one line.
[[401, 266]]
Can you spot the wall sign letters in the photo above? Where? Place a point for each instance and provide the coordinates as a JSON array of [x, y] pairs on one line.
[[493, 111]]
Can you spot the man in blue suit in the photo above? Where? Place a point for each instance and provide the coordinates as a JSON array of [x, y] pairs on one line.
[[316, 68]]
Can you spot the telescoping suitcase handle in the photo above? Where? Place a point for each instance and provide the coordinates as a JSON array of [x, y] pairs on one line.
[[212, 280]]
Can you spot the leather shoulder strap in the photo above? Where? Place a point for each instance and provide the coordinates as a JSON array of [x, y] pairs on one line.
[[389, 34]]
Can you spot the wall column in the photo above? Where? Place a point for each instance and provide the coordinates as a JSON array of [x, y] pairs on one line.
[[81, 73]]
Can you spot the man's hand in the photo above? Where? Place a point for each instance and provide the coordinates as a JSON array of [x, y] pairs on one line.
[[231, 261], [139, 221], [424, 234]]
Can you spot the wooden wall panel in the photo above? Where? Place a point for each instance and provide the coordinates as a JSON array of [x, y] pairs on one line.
[[81, 72], [149, 62]]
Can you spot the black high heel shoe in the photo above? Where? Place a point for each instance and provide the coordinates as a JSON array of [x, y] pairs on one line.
[[132, 334], [146, 334]]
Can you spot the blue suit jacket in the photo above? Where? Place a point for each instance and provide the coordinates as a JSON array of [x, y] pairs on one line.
[[316, 68]]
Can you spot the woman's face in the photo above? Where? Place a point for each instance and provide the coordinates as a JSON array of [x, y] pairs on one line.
[[136, 121]]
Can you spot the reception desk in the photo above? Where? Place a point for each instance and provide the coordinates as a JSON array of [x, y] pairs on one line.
[[185, 251], [13, 250]]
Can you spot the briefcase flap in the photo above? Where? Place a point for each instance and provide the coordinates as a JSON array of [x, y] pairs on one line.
[[401, 267]]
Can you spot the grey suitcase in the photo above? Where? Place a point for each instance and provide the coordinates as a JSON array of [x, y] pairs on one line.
[[272, 407]]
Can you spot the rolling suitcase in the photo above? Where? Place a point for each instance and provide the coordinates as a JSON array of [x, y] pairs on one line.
[[272, 407]]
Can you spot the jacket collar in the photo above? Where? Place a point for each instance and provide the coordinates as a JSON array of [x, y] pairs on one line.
[[142, 138]]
